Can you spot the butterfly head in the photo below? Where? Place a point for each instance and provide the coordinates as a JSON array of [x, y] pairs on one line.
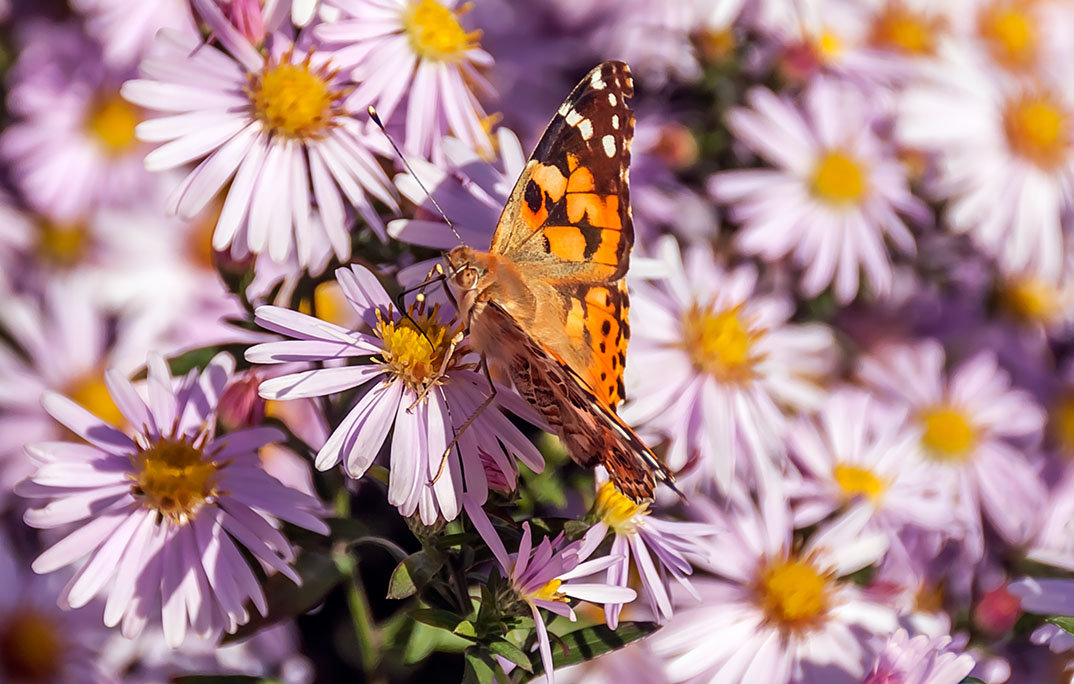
[[464, 273]]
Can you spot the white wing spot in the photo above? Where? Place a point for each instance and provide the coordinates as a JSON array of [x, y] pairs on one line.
[[597, 81], [615, 121], [564, 108], [611, 99], [585, 127], [609, 145], [573, 117]]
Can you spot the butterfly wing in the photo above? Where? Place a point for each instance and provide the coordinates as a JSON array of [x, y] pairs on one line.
[[568, 227]]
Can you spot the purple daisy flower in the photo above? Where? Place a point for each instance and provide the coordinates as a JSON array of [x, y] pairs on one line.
[[274, 125], [427, 388], [640, 537], [415, 54], [835, 195], [166, 515], [542, 576], [731, 365], [72, 145], [125, 28], [920, 660]]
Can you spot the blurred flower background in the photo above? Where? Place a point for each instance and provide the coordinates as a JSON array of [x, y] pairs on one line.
[[235, 448]]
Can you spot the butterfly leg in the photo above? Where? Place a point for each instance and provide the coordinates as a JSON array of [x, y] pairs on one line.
[[455, 342], [430, 279], [469, 421]]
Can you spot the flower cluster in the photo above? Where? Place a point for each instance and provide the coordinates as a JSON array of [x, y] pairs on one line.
[[252, 423]]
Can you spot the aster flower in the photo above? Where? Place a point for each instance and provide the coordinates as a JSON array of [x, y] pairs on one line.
[[426, 388], [415, 54], [640, 536], [974, 427], [542, 575], [125, 28], [1005, 157], [166, 515], [835, 195], [728, 359], [778, 612], [274, 125], [857, 451], [920, 660], [71, 145]]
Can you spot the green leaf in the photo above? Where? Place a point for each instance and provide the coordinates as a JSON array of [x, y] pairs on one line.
[[412, 574], [1063, 622], [480, 669], [287, 600], [434, 617], [466, 629], [505, 649], [588, 643]]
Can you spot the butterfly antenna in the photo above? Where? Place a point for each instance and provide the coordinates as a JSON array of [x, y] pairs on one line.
[[376, 119]]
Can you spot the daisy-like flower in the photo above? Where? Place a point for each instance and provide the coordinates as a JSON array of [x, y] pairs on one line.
[[426, 388], [415, 54], [168, 514], [640, 536], [779, 611], [855, 450], [542, 576], [71, 146], [920, 660], [274, 126], [1042, 306], [125, 28], [1005, 159], [974, 427], [835, 193], [730, 364]]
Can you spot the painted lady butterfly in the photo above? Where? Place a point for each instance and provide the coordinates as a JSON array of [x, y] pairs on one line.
[[548, 301]]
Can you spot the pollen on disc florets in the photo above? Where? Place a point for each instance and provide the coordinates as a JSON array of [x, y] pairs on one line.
[[296, 99], [419, 349], [175, 477]]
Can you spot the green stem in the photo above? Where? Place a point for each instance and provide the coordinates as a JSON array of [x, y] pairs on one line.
[[365, 630]]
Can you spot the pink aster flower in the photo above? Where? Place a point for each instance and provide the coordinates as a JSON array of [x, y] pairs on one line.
[[779, 611], [543, 576], [834, 196], [71, 145], [660, 549], [1004, 159], [920, 660], [274, 125], [415, 55], [857, 451], [974, 427], [125, 28], [731, 365], [166, 515], [426, 388]]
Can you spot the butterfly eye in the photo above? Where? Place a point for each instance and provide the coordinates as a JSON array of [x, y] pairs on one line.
[[466, 277]]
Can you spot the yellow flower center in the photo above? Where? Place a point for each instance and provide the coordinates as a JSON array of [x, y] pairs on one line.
[[330, 304], [719, 343], [174, 478], [295, 100], [414, 358], [617, 511], [900, 29], [1031, 300], [550, 592], [828, 45], [1038, 129], [111, 122], [793, 594], [1062, 423], [855, 481], [1009, 30], [62, 244], [31, 648], [839, 179], [435, 32], [90, 392], [948, 435]]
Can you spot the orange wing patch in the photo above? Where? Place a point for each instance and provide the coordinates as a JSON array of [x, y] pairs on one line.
[[597, 319]]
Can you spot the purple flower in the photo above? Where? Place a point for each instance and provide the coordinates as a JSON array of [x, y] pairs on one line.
[[274, 125], [542, 576], [415, 53], [427, 387], [167, 514], [125, 28], [920, 660], [659, 548]]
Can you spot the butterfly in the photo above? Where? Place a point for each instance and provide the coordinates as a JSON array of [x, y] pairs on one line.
[[548, 302]]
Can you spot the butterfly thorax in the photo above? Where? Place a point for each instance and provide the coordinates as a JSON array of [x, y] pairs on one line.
[[478, 278]]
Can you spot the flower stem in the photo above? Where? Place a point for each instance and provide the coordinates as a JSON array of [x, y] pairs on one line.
[[365, 630]]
